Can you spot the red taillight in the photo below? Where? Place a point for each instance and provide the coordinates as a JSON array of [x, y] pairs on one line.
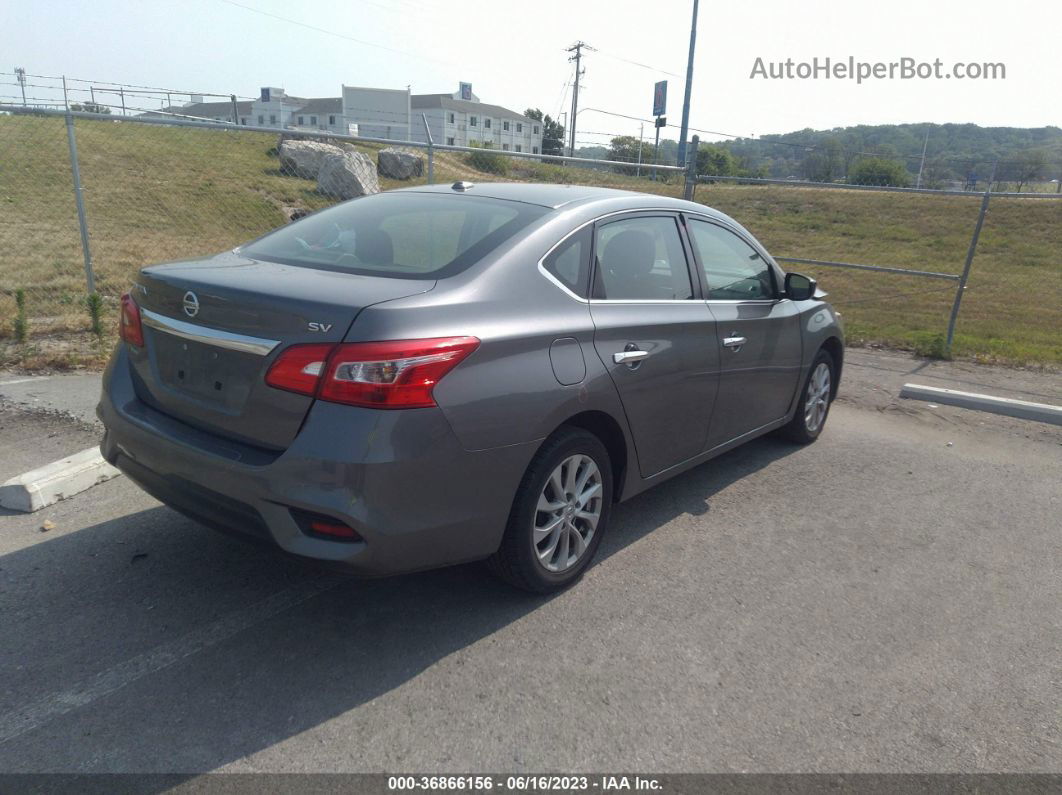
[[129, 328], [392, 375], [385, 375], [299, 368]]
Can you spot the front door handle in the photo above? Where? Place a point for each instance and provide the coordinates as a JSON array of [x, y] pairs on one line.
[[629, 357], [734, 342]]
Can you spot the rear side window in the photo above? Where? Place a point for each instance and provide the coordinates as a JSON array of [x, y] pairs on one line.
[[733, 269], [569, 262], [400, 235], [641, 259]]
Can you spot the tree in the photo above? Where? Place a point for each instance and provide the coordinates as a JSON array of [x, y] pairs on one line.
[[552, 132], [1029, 166], [715, 161], [879, 171], [825, 163], [625, 149], [89, 107]]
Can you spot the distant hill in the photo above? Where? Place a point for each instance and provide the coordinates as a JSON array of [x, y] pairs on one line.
[[954, 153]]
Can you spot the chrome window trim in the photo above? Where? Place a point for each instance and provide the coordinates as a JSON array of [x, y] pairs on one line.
[[567, 290], [208, 336]]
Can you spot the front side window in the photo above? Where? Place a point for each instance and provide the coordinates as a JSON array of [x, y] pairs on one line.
[[402, 236], [272, 118], [505, 126], [450, 141], [519, 148], [535, 129], [734, 270], [313, 120], [261, 120], [519, 127], [641, 259], [473, 121], [569, 263], [332, 120], [505, 147], [486, 123], [300, 119], [534, 150]]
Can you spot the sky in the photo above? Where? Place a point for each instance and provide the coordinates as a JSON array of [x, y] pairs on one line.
[[514, 54]]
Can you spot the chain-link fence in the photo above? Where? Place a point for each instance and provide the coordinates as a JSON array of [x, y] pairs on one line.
[[88, 199], [893, 261]]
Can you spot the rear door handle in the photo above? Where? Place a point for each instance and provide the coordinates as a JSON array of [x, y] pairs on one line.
[[629, 357], [734, 342]]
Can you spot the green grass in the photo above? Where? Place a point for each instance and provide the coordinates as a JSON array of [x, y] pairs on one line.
[[1012, 307], [154, 193]]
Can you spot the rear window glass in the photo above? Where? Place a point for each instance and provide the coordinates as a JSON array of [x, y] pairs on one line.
[[403, 235]]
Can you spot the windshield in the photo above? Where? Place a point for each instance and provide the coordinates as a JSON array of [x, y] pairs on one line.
[[403, 235]]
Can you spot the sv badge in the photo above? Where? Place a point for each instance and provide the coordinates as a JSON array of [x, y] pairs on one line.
[[322, 327]]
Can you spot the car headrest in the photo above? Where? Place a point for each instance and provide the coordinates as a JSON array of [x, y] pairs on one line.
[[374, 247], [630, 254]]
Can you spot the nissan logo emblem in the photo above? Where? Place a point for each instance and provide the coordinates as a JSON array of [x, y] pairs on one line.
[[191, 304]]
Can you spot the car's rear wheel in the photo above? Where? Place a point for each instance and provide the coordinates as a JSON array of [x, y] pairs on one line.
[[559, 515], [814, 405]]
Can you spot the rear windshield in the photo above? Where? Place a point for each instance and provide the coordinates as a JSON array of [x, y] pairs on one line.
[[403, 235]]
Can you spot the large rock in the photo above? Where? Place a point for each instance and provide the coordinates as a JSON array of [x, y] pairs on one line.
[[347, 175], [399, 164], [304, 158]]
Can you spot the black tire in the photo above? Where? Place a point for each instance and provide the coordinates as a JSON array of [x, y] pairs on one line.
[[516, 560], [797, 430]]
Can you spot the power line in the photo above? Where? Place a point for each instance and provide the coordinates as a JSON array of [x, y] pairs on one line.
[[334, 33], [636, 63]]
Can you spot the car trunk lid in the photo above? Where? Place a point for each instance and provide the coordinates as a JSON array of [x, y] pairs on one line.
[[212, 328]]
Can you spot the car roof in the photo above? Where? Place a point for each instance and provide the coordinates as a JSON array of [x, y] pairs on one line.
[[557, 196]]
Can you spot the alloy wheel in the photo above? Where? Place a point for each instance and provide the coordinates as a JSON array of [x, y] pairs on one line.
[[818, 400], [567, 513]]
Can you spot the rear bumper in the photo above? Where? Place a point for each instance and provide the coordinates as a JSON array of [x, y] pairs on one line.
[[399, 478]]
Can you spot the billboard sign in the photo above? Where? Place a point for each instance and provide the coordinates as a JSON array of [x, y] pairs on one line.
[[660, 98], [466, 91]]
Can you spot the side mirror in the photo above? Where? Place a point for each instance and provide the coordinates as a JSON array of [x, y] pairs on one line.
[[799, 287]]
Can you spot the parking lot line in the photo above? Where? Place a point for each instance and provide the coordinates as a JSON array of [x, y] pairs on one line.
[[28, 717]]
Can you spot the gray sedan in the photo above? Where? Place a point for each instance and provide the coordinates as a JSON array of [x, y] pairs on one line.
[[453, 373]]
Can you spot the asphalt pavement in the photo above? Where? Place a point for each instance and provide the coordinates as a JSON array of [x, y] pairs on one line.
[[886, 599]]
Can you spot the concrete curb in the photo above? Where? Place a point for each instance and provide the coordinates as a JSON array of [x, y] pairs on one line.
[[48, 484], [1023, 409]]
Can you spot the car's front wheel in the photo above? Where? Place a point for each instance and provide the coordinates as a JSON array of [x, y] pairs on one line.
[[814, 406], [559, 514]]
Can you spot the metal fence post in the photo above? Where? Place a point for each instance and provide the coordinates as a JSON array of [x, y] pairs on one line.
[[969, 262], [90, 279], [431, 150], [691, 169]]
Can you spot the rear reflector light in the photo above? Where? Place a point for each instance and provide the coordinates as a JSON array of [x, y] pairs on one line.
[[387, 375], [334, 529], [299, 368], [129, 328], [315, 524]]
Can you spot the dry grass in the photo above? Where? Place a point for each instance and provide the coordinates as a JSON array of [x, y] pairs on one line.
[[154, 193]]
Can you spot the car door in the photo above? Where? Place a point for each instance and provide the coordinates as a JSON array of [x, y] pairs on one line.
[[655, 337], [758, 331]]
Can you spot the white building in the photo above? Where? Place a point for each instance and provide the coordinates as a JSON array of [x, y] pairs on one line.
[[460, 122], [393, 114], [377, 112]]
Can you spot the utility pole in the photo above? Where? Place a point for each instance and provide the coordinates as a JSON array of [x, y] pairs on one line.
[[577, 48], [641, 135], [689, 89], [925, 143], [20, 73]]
